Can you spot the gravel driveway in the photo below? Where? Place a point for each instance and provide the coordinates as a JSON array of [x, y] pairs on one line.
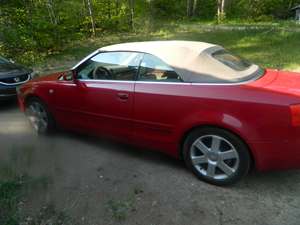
[[100, 182]]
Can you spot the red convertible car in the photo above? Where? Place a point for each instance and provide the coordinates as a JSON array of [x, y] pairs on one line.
[[195, 101]]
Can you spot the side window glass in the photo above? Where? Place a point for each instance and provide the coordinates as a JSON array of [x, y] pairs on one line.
[[111, 66], [154, 69]]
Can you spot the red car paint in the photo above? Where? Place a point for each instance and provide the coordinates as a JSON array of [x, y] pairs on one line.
[[159, 115]]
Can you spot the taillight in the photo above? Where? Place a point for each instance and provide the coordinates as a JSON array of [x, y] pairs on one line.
[[295, 115]]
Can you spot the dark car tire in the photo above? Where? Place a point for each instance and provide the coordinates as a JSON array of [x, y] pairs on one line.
[[39, 116], [212, 161]]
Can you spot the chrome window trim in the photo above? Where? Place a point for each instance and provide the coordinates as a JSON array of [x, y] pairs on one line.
[[14, 84], [169, 83]]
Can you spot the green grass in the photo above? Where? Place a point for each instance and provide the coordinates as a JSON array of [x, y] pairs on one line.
[[9, 199], [271, 45], [12, 194], [16, 187], [119, 209]]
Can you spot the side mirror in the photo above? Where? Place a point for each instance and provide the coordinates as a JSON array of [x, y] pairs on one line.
[[67, 76]]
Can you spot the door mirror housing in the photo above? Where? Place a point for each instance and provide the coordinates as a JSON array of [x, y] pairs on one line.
[[68, 76]]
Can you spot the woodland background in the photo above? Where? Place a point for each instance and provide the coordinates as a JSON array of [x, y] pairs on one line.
[[31, 30]]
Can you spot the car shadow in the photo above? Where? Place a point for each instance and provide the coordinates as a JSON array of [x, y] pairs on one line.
[[260, 181], [125, 149], [8, 104]]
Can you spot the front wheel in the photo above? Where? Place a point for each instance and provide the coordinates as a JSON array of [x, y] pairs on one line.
[[39, 116], [216, 156]]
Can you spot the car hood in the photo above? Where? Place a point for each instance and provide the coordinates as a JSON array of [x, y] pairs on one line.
[[8, 70], [283, 82]]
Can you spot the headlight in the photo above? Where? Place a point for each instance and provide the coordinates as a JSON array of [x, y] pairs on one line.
[[33, 74]]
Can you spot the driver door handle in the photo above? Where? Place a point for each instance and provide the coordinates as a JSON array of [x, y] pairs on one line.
[[123, 96]]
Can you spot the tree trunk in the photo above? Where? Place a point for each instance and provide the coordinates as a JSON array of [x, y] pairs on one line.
[[52, 16], [223, 6], [117, 7], [221, 10], [91, 16], [131, 8], [188, 8], [195, 7]]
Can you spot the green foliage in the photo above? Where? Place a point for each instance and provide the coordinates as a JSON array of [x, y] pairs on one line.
[[31, 30]]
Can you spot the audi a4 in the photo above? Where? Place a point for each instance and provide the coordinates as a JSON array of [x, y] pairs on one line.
[[195, 101]]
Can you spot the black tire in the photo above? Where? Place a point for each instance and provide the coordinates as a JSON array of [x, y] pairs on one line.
[[241, 163], [49, 119]]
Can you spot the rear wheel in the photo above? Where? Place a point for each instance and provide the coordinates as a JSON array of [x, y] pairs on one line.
[[39, 116], [216, 156]]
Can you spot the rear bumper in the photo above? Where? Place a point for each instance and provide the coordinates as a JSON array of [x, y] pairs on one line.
[[276, 155]]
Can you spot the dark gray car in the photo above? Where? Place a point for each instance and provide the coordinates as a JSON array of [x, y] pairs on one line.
[[11, 76]]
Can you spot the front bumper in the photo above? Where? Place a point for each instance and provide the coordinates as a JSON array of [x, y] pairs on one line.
[[7, 92]]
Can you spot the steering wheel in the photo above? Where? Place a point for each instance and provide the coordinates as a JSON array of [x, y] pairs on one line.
[[101, 73]]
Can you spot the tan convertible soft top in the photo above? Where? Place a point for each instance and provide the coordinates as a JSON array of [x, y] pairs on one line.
[[193, 61]]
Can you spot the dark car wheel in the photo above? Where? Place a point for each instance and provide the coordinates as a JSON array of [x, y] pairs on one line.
[[216, 156], [39, 116]]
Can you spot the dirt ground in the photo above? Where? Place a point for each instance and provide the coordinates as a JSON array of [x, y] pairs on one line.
[[98, 182]]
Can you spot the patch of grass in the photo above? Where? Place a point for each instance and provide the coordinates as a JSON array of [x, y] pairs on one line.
[[12, 194], [16, 186], [119, 209], [9, 200]]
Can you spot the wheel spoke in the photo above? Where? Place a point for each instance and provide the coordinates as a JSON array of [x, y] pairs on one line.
[[199, 144], [215, 145], [231, 154], [211, 170], [225, 168], [32, 110], [196, 160], [42, 124], [43, 115]]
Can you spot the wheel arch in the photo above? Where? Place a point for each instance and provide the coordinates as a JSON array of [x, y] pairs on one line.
[[30, 97]]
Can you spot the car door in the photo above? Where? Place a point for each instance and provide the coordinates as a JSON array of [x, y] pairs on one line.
[[158, 104], [107, 81], [68, 98]]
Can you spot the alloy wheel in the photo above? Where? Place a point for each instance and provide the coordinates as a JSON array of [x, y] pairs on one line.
[[37, 116], [214, 157]]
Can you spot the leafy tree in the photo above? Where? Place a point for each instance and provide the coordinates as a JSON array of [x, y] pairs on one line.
[[30, 29]]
